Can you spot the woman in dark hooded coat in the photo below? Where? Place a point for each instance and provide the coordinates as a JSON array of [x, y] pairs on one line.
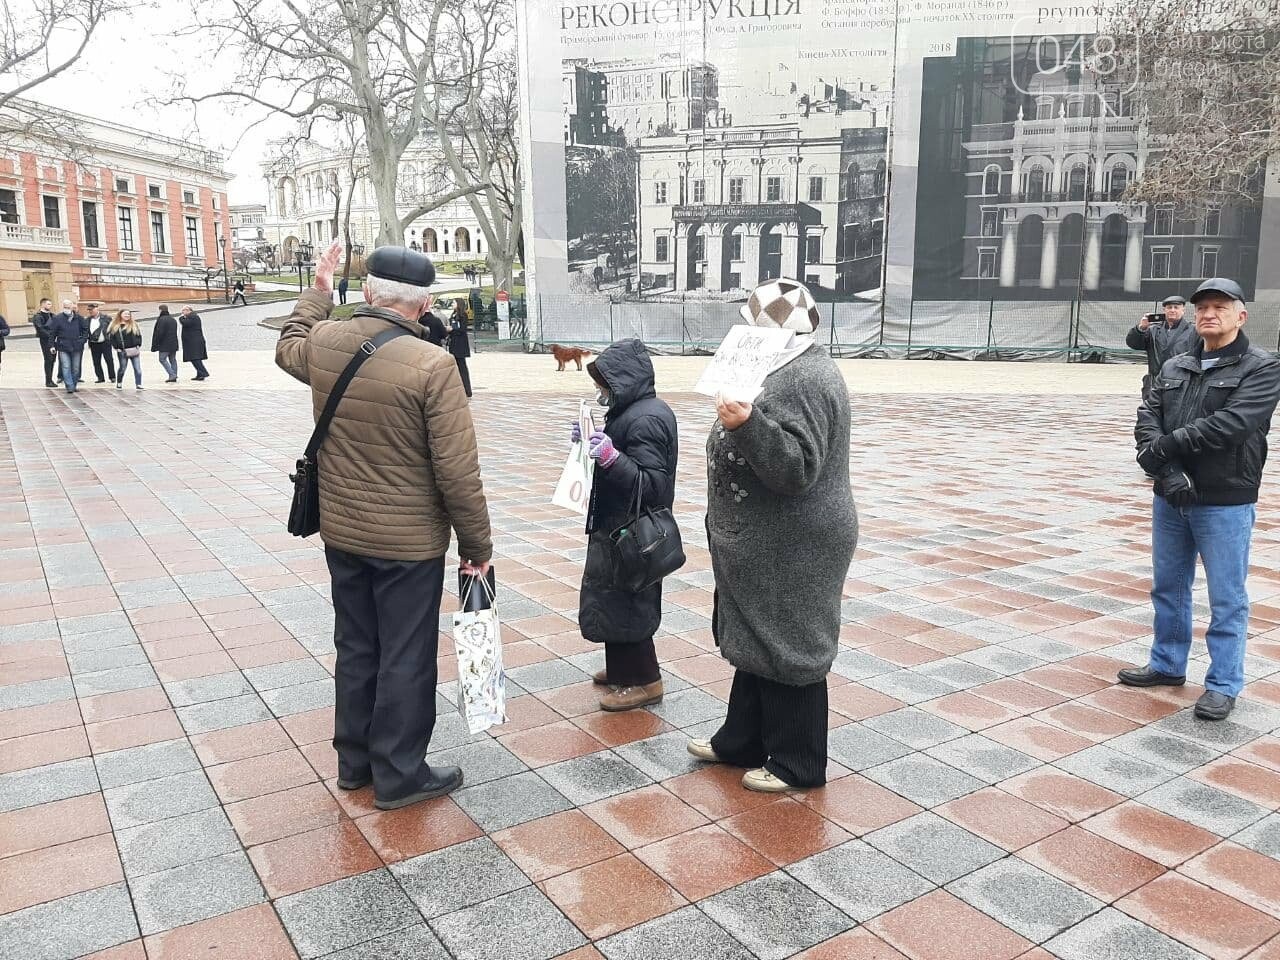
[[637, 447], [164, 341]]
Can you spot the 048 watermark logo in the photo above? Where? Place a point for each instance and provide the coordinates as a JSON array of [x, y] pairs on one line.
[[1105, 64]]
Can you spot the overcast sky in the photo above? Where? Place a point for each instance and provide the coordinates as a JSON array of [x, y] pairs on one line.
[[129, 62]]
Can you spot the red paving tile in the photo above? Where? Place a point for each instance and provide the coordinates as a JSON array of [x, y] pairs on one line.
[[1085, 721], [422, 828], [704, 862], [136, 731], [644, 816], [1141, 706], [283, 814], [1239, 872], [1157, 836], [1041, 740], [23, 721], [554, 845], [785, 831], [583, 953], [310, 727], [1002, 818], [616, 729], [541, 746], [915, 929], [255, 776], [857, 702], [1209, 921], [253, 932], [1244, 779], [197, 665], [635, 894], [48, 824], [716, 791], [37, 668], [128, 703], [1013, 693], [38, 749], [240, 743], [1090, 863], [1264, 751], [860, 944], [50, 873], [858, 805], [312, 859], [969, 710], [1061, 794]]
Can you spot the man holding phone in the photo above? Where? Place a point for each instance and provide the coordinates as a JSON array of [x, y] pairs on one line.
[[1162, 336]]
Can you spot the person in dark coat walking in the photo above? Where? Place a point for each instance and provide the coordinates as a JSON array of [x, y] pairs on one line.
[[239, 289], [41, 320], [459, 342], [637, 447], [782, 528], [194, 350], [164, 341], [343, 287], [68, 334], [99, 348], [4, 332]]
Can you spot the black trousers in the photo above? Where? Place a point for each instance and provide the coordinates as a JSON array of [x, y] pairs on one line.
[[50, 360], [239, 295], [778, 727], [464, 373], [386, 630], [631, 664], [200, 368], [100, 352]]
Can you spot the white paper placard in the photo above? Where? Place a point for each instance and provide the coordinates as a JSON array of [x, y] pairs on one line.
[[573, 491], [744, 358]]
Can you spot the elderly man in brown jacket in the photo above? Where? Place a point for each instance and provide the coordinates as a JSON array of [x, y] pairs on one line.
[[398, 470]]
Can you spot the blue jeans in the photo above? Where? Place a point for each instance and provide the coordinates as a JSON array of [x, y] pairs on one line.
[[125, 361], [1221, 537], [170, 363], [69, 362]]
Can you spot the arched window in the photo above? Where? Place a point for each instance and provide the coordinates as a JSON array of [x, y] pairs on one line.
[[879, 183], [991, 180], [1044, 108], [1076, 181], [851, 177], [1119, 180], [1035, 182], [462, 240], [429, 243]]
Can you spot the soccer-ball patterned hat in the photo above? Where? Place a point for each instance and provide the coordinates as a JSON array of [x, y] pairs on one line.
[[782, 303]]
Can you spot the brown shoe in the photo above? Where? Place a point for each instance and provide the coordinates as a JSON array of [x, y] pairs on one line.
[[630, 698], [600, 678]]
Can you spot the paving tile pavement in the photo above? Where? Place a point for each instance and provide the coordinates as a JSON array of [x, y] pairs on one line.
[[167, 786]]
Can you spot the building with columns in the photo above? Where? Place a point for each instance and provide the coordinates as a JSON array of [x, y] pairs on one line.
[[303, 186], [96, 210], [617, 102]]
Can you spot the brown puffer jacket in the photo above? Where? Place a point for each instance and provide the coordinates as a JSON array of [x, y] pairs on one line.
[[399, 466]]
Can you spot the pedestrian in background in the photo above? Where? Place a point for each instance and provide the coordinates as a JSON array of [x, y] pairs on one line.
[[99, 348], [41, 321], [635, 453], [164, 341], [67, 335], [1162, 339], [125, 336], [4, 333], [239, 288], [460, 342], [434, 329], [782, 528], [194, 349], [343, 287]]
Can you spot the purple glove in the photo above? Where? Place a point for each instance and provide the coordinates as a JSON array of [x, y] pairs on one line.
[[602, 449], [575, 435]]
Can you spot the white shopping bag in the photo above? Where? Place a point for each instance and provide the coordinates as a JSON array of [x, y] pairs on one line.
[[482, 683], [573, 492]]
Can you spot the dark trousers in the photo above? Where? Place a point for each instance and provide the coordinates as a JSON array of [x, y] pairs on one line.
[[464, 373], [50, 359], [201, 372], [101, 352], [778, 727], [239, 295], [631, 664], [386, 630]]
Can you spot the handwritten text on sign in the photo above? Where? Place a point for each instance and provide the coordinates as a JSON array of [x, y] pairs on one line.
[[745, 357], [573, 492]]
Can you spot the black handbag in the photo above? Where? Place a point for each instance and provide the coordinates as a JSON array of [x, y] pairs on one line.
[[304, 514], [647, 548]]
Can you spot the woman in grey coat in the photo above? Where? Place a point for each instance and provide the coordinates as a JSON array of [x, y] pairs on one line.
[[782, 528]]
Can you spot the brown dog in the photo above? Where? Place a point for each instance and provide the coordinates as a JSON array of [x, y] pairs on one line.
[[565, 355]]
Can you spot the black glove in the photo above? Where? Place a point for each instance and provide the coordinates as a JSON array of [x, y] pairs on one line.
[[1152, 464], [1176, 487], [1164, 447]]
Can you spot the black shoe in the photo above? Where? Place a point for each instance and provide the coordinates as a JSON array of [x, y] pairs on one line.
[[355, 783], [1146, 677], [440, 780], [1213, 705]]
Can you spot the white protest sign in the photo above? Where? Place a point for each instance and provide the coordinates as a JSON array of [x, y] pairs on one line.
[[743, 360], [573, 492]]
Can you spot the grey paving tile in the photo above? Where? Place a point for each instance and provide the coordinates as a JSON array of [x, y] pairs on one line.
[[1112, 935], [451, 731], [1025, 899], [35, 693], [481, 760], [53, 781], [957, 673], [1205, 806], [218, 686], [594, 777], [1223, 735], [172, 843], [856, 665], [1116, 771], [908, 686], [857, 747], [775, 916], [860, 880], [299, 698], [412, 943], [115, 681], [687, 933], [1001, 660], [936, 849], [1263, 836], [523, 925], [286, 674], [95, 661], [458, 876], [346, 913], [510, 801], [684, 708], [983, 758], [1164, 750], [924, 780], [40, 630], [221, 714], [664, 756], [195, 891], [152, 800], [136, 764], [74, 926], [916, 728], [99, 642]]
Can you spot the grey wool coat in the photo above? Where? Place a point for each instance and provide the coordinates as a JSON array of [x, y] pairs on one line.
[[782, 524]]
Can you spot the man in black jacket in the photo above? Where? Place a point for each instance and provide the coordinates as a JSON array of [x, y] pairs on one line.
[[1163, 340], [1202, 435], [41, 320], [68, 333], [99, 348]]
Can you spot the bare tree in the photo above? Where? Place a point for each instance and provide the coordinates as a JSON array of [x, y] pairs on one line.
[[1206, 75], [39, 39]]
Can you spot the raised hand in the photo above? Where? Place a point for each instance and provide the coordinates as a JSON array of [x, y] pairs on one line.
[[326, 266]]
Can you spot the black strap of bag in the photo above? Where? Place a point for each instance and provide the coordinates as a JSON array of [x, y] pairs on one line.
[[304, 514]]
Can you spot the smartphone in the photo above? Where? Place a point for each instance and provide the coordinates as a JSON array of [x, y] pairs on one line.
[[1155, 318]]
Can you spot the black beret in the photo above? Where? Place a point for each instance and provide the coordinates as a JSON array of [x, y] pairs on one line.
[[402, 265], [1173, 301]]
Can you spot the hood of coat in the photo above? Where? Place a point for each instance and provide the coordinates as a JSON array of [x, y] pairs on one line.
[[625, 368]]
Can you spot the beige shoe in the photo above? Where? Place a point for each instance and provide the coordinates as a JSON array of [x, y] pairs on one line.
[[631, 698], [762, 781], [600, 678], [702, 750]]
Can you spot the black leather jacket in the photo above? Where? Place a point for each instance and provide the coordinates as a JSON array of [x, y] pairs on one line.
[[1217, 420], [1163, 342]]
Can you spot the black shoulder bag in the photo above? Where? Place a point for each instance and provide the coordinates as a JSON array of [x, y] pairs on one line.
[[647, 548], [304, 515]]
